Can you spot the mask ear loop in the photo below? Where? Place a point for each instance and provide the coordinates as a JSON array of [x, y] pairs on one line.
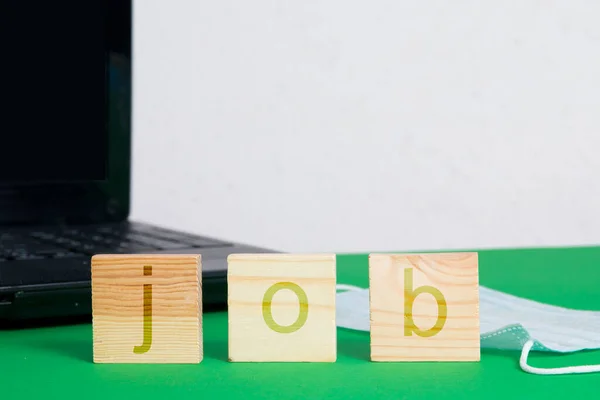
[[581, 369], [349, 288]]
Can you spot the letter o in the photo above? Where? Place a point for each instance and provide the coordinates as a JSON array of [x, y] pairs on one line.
[[268, 315]]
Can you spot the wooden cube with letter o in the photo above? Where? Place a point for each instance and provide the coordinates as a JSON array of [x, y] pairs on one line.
[[281, 308]]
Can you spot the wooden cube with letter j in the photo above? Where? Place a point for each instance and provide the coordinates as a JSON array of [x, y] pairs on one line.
[[281, 308], [424, 307], [147, 308]]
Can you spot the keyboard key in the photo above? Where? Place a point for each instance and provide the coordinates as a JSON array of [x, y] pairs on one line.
[[67, 254], [73, 243], [117, 241], [88, 246], [42, 235], [12, 254], [132, 250], [101, 239], [11, 247], [71, 232], [6, 238], [189, 239], [156, 243], [46, 249], [11, 241], [61, 240], [202, 242], [110, 230], [170, 235], [91, 249], [20, 257], [132, 246], [82, 237]]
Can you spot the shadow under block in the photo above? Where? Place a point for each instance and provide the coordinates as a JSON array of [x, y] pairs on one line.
[[147, 308], [424, 307], [282, 308]]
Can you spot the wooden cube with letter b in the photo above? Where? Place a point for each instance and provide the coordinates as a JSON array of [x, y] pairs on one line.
[[424, 307], [281, 308], [147, 308]]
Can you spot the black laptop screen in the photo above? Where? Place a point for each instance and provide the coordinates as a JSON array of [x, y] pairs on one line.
[[53, 113]]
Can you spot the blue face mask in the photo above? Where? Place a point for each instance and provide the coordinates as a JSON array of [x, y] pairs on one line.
[[506, 322]]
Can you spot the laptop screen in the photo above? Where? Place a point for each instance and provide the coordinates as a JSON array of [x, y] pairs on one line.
[[53, 91]]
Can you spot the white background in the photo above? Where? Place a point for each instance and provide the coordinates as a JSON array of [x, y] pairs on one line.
[[349, 125]]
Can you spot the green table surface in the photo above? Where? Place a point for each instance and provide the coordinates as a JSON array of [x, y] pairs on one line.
[[57, 362]]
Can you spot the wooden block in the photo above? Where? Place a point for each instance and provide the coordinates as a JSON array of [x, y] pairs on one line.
[[147, 308], [282, 308], [424, 307]]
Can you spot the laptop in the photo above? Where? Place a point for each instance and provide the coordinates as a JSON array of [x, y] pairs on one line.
[[65, 160]]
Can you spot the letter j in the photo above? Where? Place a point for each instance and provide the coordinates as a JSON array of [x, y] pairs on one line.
[[147, 315]]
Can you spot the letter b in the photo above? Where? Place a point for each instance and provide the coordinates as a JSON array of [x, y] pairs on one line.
[[409, 297]]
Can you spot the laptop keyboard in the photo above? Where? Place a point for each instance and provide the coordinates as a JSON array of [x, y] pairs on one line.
[[90, 240]]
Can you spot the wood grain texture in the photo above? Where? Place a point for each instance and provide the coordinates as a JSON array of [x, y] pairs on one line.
[[151, 303], [424, 307], [282, 308]]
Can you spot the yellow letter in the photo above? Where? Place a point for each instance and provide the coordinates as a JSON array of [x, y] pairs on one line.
[[147, 315], [266, 307], [409, 298]]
